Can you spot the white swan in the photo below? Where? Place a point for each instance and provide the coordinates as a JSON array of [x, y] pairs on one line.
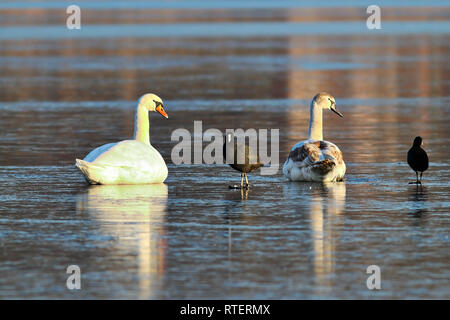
[[129, 161], [315, 159]]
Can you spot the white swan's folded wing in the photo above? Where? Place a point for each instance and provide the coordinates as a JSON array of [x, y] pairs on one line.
[[125, 162]]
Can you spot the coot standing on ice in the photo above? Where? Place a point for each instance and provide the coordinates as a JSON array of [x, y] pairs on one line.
[[251, 159], [418, 159]]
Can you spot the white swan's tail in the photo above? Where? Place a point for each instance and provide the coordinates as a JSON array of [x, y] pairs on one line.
[[92, 172]]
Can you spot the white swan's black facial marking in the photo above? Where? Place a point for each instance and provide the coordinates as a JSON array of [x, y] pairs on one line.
[[157, 103]]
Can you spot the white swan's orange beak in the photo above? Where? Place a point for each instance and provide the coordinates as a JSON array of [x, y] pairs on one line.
[[160, 109]]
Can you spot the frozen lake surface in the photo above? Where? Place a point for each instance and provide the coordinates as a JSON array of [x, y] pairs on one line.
[[192, 237]]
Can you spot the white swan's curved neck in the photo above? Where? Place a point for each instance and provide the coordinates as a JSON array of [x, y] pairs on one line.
[[315, 122], [142, 125]]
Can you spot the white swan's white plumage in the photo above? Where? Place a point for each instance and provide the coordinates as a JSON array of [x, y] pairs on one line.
[[129, 161], [315, 159]]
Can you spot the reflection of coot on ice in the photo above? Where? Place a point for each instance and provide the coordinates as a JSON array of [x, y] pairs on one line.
[[418, 196]]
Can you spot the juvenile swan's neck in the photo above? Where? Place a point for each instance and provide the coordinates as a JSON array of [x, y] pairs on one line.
[[315, 122], [142, 125]]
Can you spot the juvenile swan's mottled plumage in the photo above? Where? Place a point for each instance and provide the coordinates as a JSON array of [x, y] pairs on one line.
[[418, 159], [129, 161], [315, 159]]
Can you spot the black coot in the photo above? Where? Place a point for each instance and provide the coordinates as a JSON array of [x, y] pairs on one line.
[[250, 164], [418, 159]]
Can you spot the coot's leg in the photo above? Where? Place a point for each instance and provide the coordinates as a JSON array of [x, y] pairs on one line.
[[417, 178], [246, 181], [421, 177], [242, 180]]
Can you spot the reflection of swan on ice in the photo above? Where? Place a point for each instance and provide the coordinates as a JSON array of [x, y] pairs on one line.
[[326, 203], [325, 210], [135, 215]]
